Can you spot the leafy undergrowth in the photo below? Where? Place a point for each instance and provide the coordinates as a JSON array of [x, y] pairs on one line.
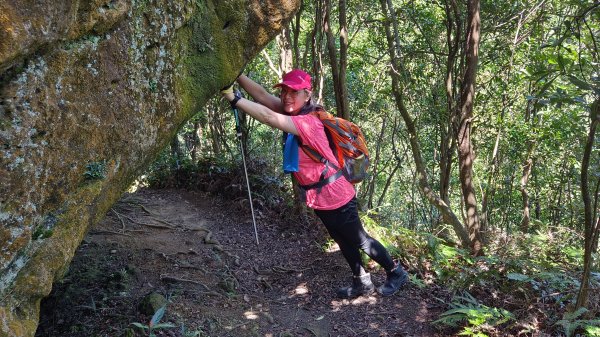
[[525, 286]]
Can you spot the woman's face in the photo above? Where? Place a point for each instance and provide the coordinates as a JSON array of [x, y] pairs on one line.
[[293, 100]]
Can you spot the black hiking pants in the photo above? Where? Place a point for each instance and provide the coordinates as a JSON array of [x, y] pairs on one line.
[[345, 228]]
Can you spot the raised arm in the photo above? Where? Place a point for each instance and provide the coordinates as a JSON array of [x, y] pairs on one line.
[[262, 113], [259, 93]]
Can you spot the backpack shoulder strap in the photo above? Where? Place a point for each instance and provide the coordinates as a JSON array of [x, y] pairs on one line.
[[314, 154], [318, 157]]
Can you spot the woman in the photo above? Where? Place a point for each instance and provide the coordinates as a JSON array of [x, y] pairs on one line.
[[334, 203]]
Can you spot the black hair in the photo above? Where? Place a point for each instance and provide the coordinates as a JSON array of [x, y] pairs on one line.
[[309, 107]]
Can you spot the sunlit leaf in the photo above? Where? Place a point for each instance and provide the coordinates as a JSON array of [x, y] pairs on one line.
[[593, 331]]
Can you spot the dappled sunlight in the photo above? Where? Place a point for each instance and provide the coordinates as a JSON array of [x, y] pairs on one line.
[[423, 314], [374, 326], [338, 305], [251, 315], [301, 289]]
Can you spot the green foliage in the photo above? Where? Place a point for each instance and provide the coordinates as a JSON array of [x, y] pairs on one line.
[[556, 286], [447, 261], [154, 323], [185, 332], [534, 269], [45, 229], [593, 330], [152, 85], [172, 169], [573, 321], [552, 248], [41, 233], [95, 170], [327, 246], [478, 317]]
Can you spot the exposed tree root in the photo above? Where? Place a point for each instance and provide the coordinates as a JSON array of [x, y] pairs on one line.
[[167, 278], [166, 224], [179, 263], [152, 216], [108, 232], [120, 218], [231, 328]]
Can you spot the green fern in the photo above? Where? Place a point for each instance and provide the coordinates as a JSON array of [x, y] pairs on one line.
[[478, 316], [571, 322]]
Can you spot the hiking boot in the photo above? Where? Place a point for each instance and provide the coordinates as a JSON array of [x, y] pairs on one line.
[[395, 280], [361, 285]]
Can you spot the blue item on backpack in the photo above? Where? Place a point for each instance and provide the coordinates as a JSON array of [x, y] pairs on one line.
[[290, 154]]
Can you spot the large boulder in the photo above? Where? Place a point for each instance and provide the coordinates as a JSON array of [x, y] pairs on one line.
[[90, 92]]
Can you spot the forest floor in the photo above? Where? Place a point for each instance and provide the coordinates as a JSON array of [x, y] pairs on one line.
[[199, 251]]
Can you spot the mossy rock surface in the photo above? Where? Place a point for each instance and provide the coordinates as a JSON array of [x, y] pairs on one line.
[[151, 303], [90, 93]]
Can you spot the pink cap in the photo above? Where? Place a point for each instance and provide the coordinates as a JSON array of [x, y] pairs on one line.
[[296, 79]]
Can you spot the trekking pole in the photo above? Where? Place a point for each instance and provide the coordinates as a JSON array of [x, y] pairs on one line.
[[238, 129]]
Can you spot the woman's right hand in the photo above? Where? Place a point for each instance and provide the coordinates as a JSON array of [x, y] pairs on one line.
[[227, 92]]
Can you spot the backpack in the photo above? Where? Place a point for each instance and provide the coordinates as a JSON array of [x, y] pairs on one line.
[[349, 147]]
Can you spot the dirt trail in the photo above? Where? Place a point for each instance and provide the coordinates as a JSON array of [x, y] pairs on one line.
[[200, 253]]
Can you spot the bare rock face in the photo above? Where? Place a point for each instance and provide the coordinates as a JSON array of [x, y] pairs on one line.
[[90, 92]]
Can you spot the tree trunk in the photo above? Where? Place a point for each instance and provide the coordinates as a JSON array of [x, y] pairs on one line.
[[338, 69], [592, 225], [388, 182], [465, 150], [344, 108], [296, 35], [176, 151], [490, 189], [525, 195], [217, 115], [286, 59], [447, 139], [421, 175], [197, 136], [562, 189], [315, 50], [288, 52], [375, 165]]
